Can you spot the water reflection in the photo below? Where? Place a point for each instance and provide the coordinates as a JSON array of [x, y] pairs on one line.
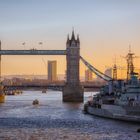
[[54, 115]]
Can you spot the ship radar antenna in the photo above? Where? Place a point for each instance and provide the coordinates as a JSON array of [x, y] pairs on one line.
[[129, 48]]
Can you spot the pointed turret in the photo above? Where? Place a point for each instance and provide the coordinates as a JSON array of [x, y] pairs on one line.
[[68, 40], [73, 36], [78, 40], [73, 41]]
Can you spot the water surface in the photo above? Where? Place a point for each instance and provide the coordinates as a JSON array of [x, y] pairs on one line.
[[52, 119]]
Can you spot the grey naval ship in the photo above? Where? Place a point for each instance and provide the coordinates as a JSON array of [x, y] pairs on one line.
[[118, 99]]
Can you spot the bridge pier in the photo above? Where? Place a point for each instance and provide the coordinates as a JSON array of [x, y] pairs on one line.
[[73, 91]]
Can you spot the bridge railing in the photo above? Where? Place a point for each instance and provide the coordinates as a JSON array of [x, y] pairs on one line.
[[32, 52]]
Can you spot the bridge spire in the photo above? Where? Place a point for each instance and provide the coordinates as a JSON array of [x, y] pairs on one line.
[[78, 40], [73, 35], [68, 40]]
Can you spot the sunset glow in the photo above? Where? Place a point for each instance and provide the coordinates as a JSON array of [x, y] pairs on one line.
[[106, 29]]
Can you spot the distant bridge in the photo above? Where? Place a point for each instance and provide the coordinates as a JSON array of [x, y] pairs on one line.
[[39, 87]]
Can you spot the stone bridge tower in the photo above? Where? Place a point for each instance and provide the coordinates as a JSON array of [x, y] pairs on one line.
[[73, 91], [2, 95]]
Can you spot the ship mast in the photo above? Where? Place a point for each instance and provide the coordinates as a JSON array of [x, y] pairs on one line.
[[130, 66], [115, 70]]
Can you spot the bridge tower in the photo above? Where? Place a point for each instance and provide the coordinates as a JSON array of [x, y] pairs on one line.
[[73, 91], [2, 96]]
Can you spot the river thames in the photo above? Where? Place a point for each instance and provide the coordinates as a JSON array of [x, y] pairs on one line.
[[54, 120]]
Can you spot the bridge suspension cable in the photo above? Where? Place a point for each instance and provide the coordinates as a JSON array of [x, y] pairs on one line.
[[96, 71]]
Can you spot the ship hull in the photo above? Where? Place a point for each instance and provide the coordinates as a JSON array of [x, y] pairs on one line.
[[109, 114]]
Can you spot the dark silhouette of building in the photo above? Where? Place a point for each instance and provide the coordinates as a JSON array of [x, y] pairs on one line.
[[73, 91]]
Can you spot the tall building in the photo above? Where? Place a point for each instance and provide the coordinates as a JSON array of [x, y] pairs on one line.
[[88, 75], [52, 71], [108, 72]]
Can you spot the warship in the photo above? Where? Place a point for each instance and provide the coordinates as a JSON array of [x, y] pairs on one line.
[[118, 99]]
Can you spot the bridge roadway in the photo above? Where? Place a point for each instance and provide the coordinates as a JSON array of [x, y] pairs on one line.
[[55, 87], [33, 52]]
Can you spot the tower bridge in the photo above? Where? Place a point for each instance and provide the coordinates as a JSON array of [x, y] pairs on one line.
[[72, 90]]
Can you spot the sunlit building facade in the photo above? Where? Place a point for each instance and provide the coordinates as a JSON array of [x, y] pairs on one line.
[[52, 71], [88, 75]]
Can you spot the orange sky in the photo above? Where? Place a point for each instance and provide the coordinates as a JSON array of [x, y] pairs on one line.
[[101, 59]]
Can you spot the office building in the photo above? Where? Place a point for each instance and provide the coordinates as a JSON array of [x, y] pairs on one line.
[[88, 75], [52, 71]]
